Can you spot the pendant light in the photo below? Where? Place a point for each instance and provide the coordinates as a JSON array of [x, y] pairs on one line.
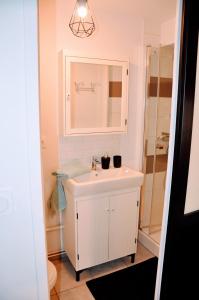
[[81, 22]]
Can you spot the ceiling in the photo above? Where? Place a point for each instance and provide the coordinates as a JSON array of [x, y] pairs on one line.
[[161, 10]]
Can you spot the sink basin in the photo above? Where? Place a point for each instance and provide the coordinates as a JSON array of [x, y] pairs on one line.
[[101, 181]]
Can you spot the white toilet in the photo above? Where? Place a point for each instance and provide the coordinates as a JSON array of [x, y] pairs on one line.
[[52, 275]]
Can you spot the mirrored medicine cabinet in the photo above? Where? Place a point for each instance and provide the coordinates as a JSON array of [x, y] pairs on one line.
[[95, 95]]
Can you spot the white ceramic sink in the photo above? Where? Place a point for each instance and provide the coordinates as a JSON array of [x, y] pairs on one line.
[[101, 181]]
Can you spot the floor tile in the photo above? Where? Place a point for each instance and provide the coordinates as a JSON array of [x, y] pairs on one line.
[[54, 297], [66, 276], [107, 268], [141, 255], [53, 292], [78, 293], [66, 273]]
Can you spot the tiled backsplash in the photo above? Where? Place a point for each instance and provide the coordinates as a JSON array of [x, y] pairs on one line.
[[84, 147]]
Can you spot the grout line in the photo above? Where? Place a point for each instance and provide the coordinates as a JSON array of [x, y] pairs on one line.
[[69, 289], [57, 294], [125, 264]]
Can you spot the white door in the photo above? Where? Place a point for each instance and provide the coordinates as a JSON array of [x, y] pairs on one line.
[[92, 228], [23, 260], [123, 224]]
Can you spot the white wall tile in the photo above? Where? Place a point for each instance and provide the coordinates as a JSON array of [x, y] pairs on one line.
[[166, 67], [116, 119], [151, 107], [150, 148], [116, 104], [85, 147], [150, 127], [157, 207], [163, 125], [164, 107], [159, 180], [148, 181]]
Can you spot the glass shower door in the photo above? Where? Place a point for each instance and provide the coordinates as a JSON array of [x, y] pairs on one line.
[[151, 109], [163, 110], [156, 137]]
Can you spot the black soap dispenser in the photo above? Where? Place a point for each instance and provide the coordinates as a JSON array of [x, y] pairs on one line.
[[105, 161], [117, 161]]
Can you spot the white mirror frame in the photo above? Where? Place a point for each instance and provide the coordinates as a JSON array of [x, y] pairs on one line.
[[68, 131]]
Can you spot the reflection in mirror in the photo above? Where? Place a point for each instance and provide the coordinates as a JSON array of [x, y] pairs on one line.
[[96, 95]]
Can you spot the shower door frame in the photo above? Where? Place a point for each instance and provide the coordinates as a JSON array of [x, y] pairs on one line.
[[151, 226]]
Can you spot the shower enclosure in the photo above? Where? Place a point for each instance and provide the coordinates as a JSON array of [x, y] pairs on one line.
[[159, 71]]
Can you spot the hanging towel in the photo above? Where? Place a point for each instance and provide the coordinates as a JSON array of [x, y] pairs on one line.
[[57, 200]]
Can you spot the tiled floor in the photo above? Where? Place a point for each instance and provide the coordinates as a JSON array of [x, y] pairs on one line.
[[67, 288]]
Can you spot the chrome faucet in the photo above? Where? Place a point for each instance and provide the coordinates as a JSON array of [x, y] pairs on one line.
[[95, 161]]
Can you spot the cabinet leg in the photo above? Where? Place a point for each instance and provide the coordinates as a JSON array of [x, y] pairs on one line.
[[132, 258], [77, 275]]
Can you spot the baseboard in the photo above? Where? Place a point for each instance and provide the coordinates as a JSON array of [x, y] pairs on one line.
[[57, 255]]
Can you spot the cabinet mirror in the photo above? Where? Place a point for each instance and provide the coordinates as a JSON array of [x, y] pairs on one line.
[[95, 95]]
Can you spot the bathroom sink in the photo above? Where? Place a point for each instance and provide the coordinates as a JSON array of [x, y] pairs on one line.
[[101, 181]]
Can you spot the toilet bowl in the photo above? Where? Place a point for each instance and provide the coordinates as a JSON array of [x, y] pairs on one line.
[[52, 275]]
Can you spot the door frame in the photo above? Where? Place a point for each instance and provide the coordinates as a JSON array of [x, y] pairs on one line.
[[171, 146], [178, 256]]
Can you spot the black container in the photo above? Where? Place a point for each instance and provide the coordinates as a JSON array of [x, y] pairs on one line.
[[117, 161], [105, 161]]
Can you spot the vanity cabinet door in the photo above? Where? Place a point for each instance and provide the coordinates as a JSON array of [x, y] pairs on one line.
[[123, 226], [92, 231]]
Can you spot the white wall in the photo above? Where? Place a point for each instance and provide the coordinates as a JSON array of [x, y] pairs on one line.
[[23, 270], [48, 104], [168, 32], [117, 36], [152, 32]]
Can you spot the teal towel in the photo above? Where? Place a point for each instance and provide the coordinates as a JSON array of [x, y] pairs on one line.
[[57, 201]]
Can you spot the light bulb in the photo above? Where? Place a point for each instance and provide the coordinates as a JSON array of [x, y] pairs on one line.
[[82, 11]]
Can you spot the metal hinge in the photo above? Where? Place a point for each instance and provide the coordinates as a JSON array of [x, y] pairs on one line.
[[127, 72], [137, 203], [77, 216], [135, 241], [125, 122], [78, 256]]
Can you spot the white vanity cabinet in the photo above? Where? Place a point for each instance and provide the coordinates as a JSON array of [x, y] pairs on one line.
[[101, 227]]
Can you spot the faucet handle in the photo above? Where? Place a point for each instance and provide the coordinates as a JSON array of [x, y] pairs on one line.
[[93, 165], [95, 159]]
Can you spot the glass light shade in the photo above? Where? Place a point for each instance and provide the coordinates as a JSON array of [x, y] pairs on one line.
[[81, 22]]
